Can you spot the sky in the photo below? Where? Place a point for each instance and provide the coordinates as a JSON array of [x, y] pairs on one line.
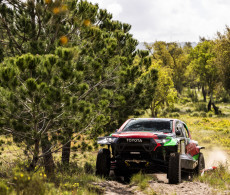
[[170, 20]]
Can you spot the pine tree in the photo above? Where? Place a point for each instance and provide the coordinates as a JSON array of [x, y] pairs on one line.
[[85, 84]]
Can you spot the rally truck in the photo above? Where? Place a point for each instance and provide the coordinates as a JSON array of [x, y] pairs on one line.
[[150, 145]]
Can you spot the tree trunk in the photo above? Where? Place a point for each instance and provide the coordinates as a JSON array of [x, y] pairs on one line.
[[48, 157], [66, 153], [155, 115], [216, 109], [204, 93], [209, 105], [35, 156], [152, 107]]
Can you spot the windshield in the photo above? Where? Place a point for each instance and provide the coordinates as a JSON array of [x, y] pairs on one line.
[[149, 125]]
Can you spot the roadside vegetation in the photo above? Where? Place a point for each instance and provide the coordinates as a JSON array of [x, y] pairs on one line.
[[219, 178], [70, 73]]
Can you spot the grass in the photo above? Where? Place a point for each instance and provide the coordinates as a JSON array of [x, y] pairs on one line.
[[141, 180], [219, 178], [75, 179]]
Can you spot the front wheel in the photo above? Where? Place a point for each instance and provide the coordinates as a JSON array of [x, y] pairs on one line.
[[174, 169], [103, 163], [201, 164]]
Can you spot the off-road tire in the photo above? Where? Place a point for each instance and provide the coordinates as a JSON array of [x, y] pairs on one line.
[[201, 164], [118, 172], [103, 163], [127, 177], [174, 169]]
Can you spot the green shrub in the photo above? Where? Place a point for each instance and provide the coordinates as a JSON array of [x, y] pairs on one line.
[[206, 140], [227, 131], [203, 114], [219, 178], [4, 189], [194, 114], [188, 110], [210, 114], [27, 183], [174, 115], [36, 186], [164, 113], [172, 109], [88, 168], [90, 148], [201, 106], [192, 95], [84, 146], [184, 100]]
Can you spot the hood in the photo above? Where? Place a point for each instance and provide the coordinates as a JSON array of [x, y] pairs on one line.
[[142, 134]]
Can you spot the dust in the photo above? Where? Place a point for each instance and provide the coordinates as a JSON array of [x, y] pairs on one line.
[[215, 157]]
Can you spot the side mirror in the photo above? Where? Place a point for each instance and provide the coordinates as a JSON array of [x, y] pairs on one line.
[[116, 130], [178, 133]]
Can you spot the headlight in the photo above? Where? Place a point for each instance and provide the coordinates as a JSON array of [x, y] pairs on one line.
[[111, 139], [102, 141], [162, 141]]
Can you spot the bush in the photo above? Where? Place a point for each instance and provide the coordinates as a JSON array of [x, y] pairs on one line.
[[90, 148], [36, 186], [195, 114], [192, 95], [223, 96], [173, 109], [210, 114], [219, 178], [206, 140], [184, 100], [226, 131], [201, 107], [164, 113], [189, 110], [84, 146], [4, 189], [88, 168], [174, 115], [203, 114], [27, 184]]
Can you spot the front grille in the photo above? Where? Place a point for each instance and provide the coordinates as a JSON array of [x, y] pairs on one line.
[[147, 145], [143, 140]]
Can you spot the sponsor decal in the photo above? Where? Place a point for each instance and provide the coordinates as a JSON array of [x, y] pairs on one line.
[[134, 140]]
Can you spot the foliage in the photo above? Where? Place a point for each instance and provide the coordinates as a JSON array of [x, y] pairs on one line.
[[200, 106], [88, 168], [172, 56], [165, 94], [193, 95], [4, 189], [222, 57], [203, 64], [87, 82], [218, 178]]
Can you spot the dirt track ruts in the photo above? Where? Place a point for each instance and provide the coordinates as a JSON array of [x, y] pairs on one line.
[[161, 187]]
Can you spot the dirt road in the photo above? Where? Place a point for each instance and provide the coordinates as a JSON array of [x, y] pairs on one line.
[[160, 187]]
